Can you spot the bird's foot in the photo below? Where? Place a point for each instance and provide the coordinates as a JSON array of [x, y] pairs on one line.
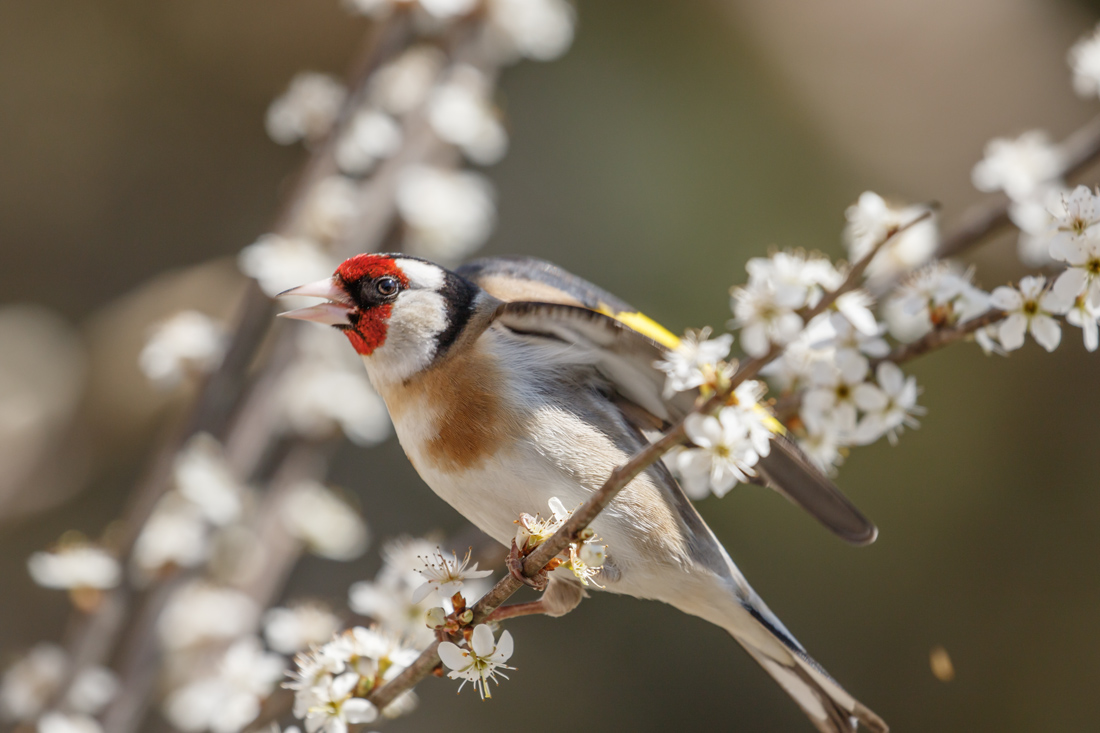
[[515, 567]]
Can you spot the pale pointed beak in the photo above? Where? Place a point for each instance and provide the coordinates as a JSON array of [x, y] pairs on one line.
[[333, 313]]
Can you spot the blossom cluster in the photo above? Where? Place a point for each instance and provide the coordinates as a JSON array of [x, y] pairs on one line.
[[217, 670], [833, 368], [583, 558], [331, 681]]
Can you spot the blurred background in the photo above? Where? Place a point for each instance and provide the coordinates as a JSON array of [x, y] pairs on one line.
[[670, 144]]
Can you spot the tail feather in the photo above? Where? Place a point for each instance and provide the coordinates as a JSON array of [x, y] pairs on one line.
[[828, 705]]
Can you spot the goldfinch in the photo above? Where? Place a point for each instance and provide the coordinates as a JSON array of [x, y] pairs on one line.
[[511, 381]]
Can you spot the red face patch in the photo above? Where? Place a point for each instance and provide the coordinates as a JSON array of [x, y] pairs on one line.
[[370, 319], [358, 267]]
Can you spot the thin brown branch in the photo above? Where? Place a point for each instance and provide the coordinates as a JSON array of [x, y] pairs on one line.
[[939, 338]]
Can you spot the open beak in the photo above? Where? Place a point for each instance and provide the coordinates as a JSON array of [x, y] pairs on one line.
[[333, 313]]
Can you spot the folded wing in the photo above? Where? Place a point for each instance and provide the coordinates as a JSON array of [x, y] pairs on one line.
[[542, 299]]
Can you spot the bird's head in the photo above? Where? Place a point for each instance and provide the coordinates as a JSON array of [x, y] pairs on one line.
[[398, 312]]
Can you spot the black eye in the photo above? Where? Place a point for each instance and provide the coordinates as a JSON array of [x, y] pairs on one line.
[[387, 286]]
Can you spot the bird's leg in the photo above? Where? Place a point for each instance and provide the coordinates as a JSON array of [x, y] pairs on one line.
[[516, 610], [515, 567], [561, 597]]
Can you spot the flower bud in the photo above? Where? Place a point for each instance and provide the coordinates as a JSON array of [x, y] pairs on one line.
[[593, 556], [586, 534], [466, 616], [436, 618]]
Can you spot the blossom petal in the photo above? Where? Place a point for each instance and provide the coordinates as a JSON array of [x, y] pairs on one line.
[[869, 398], [1070, 284], [890, 377], [1012, 330], [482, 640], [1006, 299], [1091, 332], [358, 710], [421, 593], [1046, 331], [504, 648], [453, 657]]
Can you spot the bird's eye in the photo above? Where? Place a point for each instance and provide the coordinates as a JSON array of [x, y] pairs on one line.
[[387, 286]]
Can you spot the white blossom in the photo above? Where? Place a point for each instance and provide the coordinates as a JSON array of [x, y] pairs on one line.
[[290, 630], [306, 110], [57, 722], [1019, 167], [764, 318], [203, 478], [536, 29], [279, 263], [446, 576], [694, 360], [1085, 315], [314, 668], [1034, 218], [1074, 214], [758, 422], [986, 338], [388, 598], [835, 331], [461, 112], [1084, 59], [534, 530], [855, 306], [481, 661], [871, 220], [935, 296], [230, 699], [376, 654], [447, 9], [371, 136], [823, 442], [593, 554], [724, 454], [75, 565], [796, 277], [403, 84], [833, 396], [176, 533], [333, 706], [201, 612], [888, 407], [187, 343], [329, 209], [1029, 309], [449, 214], [791, 369], [318, 396], [1082, 276], [29, 683], [91, 690], [328, 525]]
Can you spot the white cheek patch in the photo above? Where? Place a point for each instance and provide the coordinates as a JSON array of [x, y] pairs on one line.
[[418, 316], [422, 275]]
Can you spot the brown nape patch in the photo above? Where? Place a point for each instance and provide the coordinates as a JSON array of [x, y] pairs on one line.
[[471, 423], [509, 288]]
